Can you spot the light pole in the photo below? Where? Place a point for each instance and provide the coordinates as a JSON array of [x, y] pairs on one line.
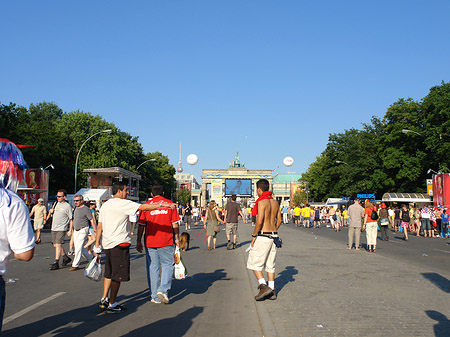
[[76, 161], [408, 131], [51, 165], [341, 162], [153, 159]]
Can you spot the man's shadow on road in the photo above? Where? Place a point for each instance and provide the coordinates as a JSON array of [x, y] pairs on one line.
[[443, 327], [284, 277], [176, 326], [196, 284], [438, 280], [80, 321]]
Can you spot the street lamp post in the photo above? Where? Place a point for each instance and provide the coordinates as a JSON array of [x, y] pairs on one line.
[[341, 162], [78, 155], [408, 131], [153, 159]]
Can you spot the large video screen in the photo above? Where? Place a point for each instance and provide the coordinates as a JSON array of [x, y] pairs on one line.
[[238, 186]]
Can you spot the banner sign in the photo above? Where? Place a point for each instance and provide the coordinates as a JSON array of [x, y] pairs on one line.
[[216, 191], [366, 196], [441, 189]]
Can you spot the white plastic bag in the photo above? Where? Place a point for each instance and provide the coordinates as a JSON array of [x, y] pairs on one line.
[[180, 270], [93, 270]]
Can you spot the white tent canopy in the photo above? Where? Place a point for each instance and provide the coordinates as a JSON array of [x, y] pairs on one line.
[[406, 197], [99, 195], [336, 201]]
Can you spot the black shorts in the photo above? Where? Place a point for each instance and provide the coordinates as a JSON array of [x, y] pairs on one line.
[[117, 265], [254, 219]]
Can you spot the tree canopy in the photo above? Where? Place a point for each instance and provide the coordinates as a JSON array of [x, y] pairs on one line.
[[58, 136], [380, 157]]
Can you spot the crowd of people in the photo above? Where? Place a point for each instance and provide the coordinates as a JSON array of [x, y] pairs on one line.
[[421, 221]]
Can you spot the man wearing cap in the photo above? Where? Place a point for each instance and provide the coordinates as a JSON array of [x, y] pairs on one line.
[[16, 233], [355, 215], [40, 213]]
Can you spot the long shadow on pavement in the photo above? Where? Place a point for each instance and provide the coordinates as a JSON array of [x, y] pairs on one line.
[[442, 328], [438, 280], [81, 321], [196, 284], [174, 326], [284, 277]]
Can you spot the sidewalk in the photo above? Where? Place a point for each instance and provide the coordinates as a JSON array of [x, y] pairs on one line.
[[325, 290]]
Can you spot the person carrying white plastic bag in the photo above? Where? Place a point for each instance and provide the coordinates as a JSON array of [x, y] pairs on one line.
[[93, 270], [180, 271]]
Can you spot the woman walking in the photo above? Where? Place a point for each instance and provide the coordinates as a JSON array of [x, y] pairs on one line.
[[404, 215], [384, 222], [338, 221], [371, 226], [212, 226]]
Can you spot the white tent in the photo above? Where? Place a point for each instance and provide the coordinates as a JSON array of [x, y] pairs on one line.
[[99, 195], [406, 197], [336, 201]]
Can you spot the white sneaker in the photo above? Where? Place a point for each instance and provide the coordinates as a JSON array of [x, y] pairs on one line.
[[163, 297], [156, 300]]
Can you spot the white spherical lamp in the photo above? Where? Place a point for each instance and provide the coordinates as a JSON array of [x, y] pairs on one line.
[[288, 161], [192, 159]]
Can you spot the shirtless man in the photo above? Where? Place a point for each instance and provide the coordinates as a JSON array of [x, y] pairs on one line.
[[264, 251]]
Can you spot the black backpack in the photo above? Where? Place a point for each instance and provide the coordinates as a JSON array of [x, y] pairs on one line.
[[374, 215]]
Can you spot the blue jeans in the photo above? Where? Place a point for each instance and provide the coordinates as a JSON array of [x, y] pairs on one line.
[[426, 225], [155, 257], [445, 228], [2, 301]]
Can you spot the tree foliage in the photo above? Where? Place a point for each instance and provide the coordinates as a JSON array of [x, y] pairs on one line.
[[183, 196], [58, 136], [381, 158]]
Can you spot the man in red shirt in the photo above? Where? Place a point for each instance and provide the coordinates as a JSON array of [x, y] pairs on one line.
[[160, 225]]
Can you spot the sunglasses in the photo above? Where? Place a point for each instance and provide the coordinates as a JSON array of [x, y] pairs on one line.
[[77, 200], [60, 196]]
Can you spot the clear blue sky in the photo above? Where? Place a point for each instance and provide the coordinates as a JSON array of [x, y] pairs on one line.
[[266, 78]]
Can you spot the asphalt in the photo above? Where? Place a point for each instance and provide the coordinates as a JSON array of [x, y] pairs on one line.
[[323, 290]]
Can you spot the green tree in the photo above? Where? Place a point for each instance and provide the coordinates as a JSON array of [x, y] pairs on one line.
[[183, 196], [157, 172]]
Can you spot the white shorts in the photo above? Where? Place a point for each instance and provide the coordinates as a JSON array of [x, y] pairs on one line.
[[38, 224], [263, 253]]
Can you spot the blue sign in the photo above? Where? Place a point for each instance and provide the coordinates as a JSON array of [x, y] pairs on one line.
[[366, 196]]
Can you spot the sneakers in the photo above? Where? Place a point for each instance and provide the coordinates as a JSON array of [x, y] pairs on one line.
[[115, 310], [156, 300], [264, 291], [234, 246], [229, 245], [66, 260], [74, 268], [163, 297], [104, 303], [54, 266]]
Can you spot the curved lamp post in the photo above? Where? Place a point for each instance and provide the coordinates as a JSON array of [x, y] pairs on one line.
[[153, 159], [341, 162], [76, 161], [408, 131]]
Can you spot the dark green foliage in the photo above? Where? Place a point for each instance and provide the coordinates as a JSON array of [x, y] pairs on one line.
[[381, 158], [58, 136]]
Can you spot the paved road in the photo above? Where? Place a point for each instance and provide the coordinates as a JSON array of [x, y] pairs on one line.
[[436, 250], [323, 290], [326, 290], [215, 297]]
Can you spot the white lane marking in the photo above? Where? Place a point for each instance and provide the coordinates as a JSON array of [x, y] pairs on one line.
[[440, 250], [31, 307]]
